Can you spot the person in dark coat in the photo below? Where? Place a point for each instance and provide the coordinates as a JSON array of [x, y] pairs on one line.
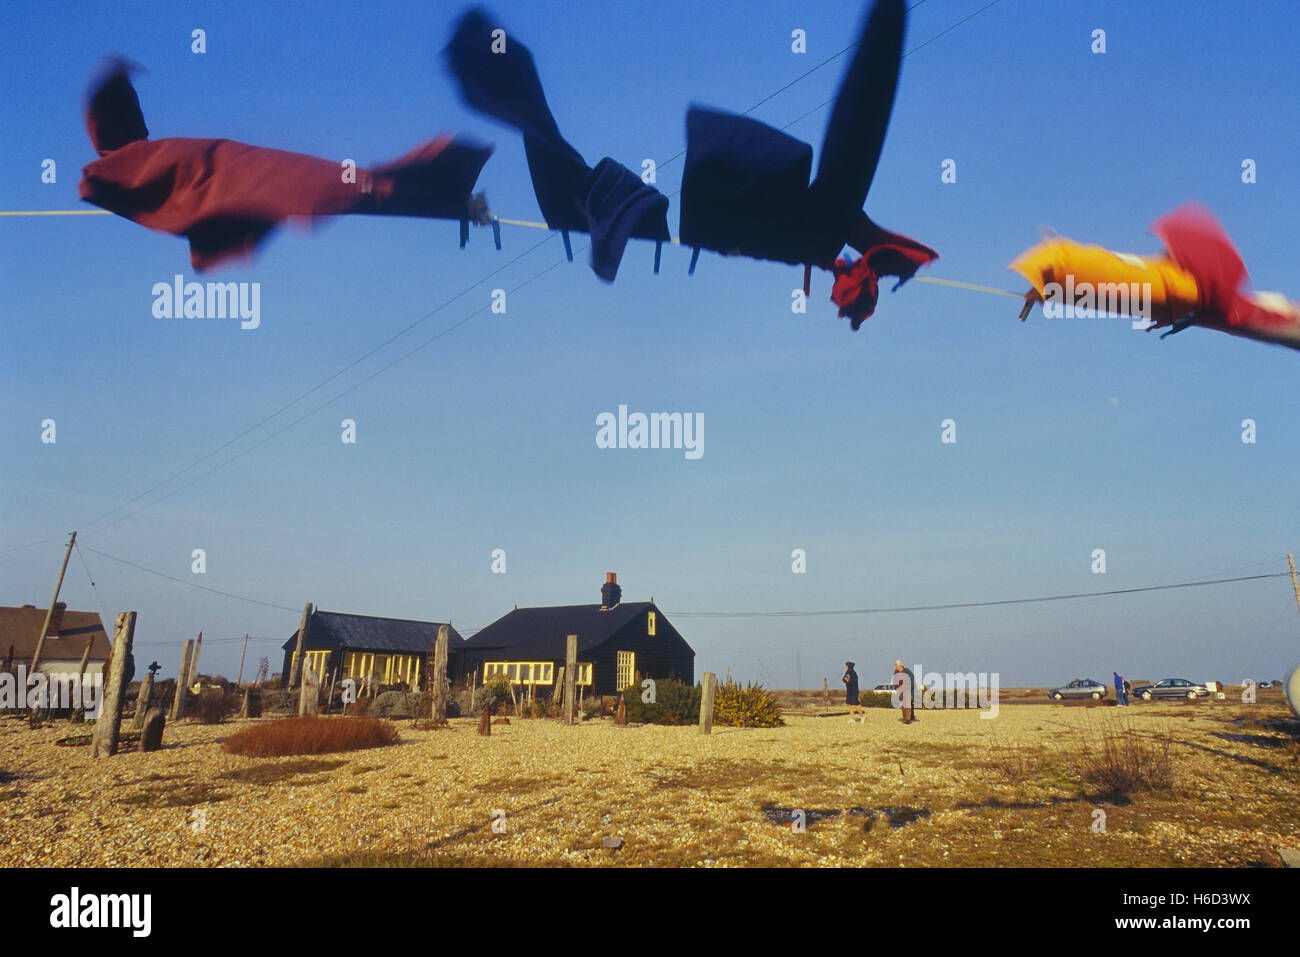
[[850, 680]]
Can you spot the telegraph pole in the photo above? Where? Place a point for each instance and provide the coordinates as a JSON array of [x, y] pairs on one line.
[[239, 682], [40, 639], [1295, 582]]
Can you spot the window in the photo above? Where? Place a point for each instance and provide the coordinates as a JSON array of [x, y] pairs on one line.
[[626, 669], [521, 672], [650, 624], [316, 661]]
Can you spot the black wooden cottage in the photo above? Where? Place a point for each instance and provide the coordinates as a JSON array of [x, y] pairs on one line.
[[393, 651], [617, 641]]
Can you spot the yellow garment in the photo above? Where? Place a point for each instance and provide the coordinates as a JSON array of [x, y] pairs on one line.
[[1173, 291]]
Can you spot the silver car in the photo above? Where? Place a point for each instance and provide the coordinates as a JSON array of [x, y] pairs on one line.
[[1172, 688], [1079, 688]]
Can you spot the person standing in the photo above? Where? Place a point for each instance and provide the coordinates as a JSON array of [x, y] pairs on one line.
[[905, 684], [1121, 698], [850, 680]]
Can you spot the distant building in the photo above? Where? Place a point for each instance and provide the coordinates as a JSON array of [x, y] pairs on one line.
[[617, 640], [395, 651], [65, 639]]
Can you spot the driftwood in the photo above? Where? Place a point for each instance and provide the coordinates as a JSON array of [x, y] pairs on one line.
[[152, 734]]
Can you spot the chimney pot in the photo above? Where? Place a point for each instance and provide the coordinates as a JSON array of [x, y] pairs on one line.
[[610, 593]]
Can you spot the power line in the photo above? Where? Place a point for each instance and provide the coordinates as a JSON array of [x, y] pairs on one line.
[[968, 604], [181, 581]]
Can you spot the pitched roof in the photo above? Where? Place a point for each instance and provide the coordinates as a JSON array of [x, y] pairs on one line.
[[373, 634], [539, 633], [19, 626]]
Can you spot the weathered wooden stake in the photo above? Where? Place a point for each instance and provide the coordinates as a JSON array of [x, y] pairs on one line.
[[570, 678], [439, 677], [706, 703], [194, 662], [107, 727], [295, 670], [620, 717], [151, 734], [308, 694], [76, 713], [485, 720], [182, 689], [826, 691], [142, 700], [240, 680]]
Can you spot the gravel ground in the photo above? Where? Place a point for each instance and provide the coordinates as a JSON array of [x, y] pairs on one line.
[[951, 789]]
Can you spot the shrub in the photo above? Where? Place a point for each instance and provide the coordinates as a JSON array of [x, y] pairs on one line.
[[401, 704], [675, 703], [213, 706], [747, 706], [311, 736], [1119, 759], [494, 693], [590, 708]]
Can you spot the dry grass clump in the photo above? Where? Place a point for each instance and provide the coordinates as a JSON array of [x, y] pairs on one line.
[[1119, 759], [285, 736]]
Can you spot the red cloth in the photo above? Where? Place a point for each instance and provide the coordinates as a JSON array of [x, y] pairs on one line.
[[857, 284], [1196, 241], [226, 197]]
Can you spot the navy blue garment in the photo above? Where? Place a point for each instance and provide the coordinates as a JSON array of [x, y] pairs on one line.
[[571, 195], [745, 188], [619, 206]]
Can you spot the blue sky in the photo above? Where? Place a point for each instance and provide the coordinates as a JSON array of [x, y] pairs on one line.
[[1071, 434]]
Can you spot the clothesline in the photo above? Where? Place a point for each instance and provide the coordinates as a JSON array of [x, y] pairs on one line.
[[534, 224]]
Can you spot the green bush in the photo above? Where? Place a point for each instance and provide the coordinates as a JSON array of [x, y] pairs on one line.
[[675, 703], [745, 706], [494, 693]]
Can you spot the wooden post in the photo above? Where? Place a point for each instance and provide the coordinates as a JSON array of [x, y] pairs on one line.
[[308, 693], [49, 614], [182, 689], [295, 670], [439, 677], [1295, 582], [706, 703], [473, 689], [142, 700], [240, 680], [107, 730], [81, 675], [570, 678], [194, 662], [826, 691]]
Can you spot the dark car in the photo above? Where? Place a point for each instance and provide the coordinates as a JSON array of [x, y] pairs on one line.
[[1172, 688], [1079, 688], [888, 688]]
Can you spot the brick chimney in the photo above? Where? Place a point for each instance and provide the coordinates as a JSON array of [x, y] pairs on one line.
[[610, 593], [56, 620]]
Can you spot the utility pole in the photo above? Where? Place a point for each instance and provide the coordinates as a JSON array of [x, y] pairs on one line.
[[1295, 582], [239, 682], [40, 639]]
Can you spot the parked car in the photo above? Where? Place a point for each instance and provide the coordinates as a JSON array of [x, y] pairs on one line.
[[1171, 688], [1079, 688], [884, 689]]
